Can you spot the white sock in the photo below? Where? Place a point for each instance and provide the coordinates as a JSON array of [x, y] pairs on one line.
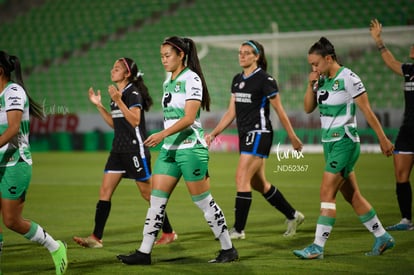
[[322, 234], [39, 235], [374, 226], [153, 223], [216, 220]]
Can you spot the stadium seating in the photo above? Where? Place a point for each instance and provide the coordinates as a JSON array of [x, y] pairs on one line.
[[67, 46]]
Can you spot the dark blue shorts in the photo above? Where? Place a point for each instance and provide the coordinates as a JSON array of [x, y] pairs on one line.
[[256, 143], [131, 165], [405, 140]]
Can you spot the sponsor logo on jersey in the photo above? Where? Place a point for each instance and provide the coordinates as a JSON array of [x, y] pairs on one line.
[[177, 87], [243, 97]]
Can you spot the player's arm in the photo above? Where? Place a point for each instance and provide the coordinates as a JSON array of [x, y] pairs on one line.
[[190, 113], [387, 56], [133, 114], [363, 104], [96, 100], [225, 121], [14, 117], [284, 120]]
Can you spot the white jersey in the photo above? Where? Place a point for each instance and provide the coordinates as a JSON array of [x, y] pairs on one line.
[[13, 97], [186, 86], [335, 98]]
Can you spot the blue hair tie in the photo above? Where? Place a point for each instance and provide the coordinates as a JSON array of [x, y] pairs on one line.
[[251, 44]]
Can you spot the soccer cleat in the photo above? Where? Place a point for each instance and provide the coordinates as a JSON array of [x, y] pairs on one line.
[[226, 256], [234, 234], [313, 251], [403, 225], [167, 238], [89, 242], [381, 244], [136, 258], [60, 258], [293, 224]]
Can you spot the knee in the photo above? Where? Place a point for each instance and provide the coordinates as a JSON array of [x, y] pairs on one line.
[[11, 223], [146, 195], [105, 193]]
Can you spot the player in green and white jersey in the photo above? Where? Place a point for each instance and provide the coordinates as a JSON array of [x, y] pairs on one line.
[[15, 160], [337, 91], [184, 152]]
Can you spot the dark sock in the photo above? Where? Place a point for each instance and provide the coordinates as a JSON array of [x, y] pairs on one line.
[[166, 226], [275, 198], [101, 216], [404, 197], [242, 207]]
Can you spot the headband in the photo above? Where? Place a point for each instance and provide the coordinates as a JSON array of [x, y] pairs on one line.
[[126, 64], [175, 46], [251, 44]]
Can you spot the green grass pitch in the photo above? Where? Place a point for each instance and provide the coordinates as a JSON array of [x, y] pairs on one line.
[[64, 192]]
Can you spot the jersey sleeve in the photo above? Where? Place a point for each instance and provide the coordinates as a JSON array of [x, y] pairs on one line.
[[134, 99], [408, 68], [15, 98], [270, 88], [193, 88], [354, 85], [233, 82]]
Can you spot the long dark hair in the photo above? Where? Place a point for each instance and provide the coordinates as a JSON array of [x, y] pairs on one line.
[[11, 63], [258, 49], [323, 47], [137, 79], [188, 47]]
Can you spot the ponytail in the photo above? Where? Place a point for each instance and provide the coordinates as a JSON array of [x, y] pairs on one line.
[[12, 63], [188, 47], [136, 79], [323, 47]]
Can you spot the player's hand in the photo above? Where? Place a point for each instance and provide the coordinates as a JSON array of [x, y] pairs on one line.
[[375, 29], [154, 139], [296, 143], [387, 147], [209, 139], [114, 93], [95, 98]]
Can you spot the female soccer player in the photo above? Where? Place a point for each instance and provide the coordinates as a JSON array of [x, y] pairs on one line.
[[337, 91], [184, 152], [16, 161], [129, 157], [404, 145], [252, 91]]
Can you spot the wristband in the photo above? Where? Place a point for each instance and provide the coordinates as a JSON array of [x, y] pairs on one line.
[[382, 48]]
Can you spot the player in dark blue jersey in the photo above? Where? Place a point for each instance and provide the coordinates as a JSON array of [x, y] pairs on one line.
[[252, 93], [404, 145], [129, 157]]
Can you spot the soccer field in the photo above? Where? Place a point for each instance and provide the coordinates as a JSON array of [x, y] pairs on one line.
[[64, 192]]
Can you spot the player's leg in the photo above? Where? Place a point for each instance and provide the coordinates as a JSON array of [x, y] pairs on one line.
[[16, 180], [168, 234], [103, 208], [367, 216], [337, 156], [194, 166], [1, 237], [275, 198], [403, 164], [154, 220], [246, 168], [164, 180]]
